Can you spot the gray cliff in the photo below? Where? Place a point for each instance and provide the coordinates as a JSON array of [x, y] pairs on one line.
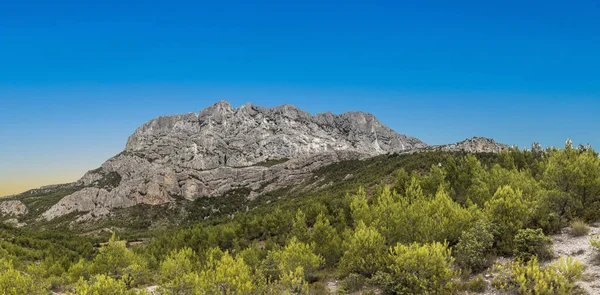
[[221, 148]]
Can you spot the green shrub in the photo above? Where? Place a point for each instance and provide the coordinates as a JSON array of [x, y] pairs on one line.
[[579, 228], [297, 257], [418, 269], [13, 282], [510, 211], [365, 251], [473, 250], [532, 242], [527, 278], [102, 285], [595, 243]]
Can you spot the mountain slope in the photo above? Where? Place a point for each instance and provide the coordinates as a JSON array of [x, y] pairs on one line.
[[221, 148]]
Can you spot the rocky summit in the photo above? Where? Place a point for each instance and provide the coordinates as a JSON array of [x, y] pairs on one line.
[[470, 145], [222, 148]]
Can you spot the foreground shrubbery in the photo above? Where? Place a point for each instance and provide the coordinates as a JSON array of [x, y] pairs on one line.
[[530, 278], [474, 249], [412, 230], [418, 269], [531, 243]]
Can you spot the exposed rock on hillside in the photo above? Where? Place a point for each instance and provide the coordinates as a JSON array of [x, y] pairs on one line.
[[223, 148], [12, 208], [223, 136], [471, 145]]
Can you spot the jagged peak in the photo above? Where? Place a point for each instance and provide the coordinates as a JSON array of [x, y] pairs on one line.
[[220, 107], [478, 139], [223, 107], [246, 105], [223, 104]]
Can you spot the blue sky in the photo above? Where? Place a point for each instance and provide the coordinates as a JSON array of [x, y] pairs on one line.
[[77, 77]]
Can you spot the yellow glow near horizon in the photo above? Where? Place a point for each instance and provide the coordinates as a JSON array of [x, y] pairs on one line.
[[16, 184]]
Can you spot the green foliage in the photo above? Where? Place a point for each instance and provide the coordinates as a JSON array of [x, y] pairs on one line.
[[415, 218], [364, 251], [579, 228], [576, 174], [462, 175], [39, 202], [297, 261], [531, 243], [474, 247], [175, 271], [328, 243], [595, 243], [221, 274], [13, 282], [104, 285], [418, 269], [528, 278], [509, 211], [117, 261], [225, 275], [299, 227], [480, 204]]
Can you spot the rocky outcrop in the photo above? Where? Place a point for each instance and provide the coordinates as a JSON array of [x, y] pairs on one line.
[[221, 136], [471, 145], [476, 145], [13, 208], [223, 148]]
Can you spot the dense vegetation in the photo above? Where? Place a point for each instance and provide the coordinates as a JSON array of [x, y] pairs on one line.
[[426, 223]]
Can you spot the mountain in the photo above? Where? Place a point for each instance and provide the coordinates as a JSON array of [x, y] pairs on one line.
[[222, 148], [247, 152]]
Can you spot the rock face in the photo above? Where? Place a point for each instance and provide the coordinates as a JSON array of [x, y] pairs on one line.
[[471, 145], [12, 208], [476, 145], [223, 148], [221, 136]]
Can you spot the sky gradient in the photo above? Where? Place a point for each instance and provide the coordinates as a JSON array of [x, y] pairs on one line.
[[77, 78]]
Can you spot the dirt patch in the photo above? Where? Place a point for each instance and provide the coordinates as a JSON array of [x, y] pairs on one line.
[[580, 249]]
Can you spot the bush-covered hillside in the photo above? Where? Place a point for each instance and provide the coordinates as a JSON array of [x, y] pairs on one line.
[[425, 223]]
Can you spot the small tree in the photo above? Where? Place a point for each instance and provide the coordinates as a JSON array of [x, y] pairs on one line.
[[474, 246], [298, 255], [532, 242], [419, 269], [364, 251], [177, 270], [118, 262], [509, 211], [299, 227], [327, 242], [226, 275]]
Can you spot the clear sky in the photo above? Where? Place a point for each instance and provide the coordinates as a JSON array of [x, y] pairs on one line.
[[77, 77]]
